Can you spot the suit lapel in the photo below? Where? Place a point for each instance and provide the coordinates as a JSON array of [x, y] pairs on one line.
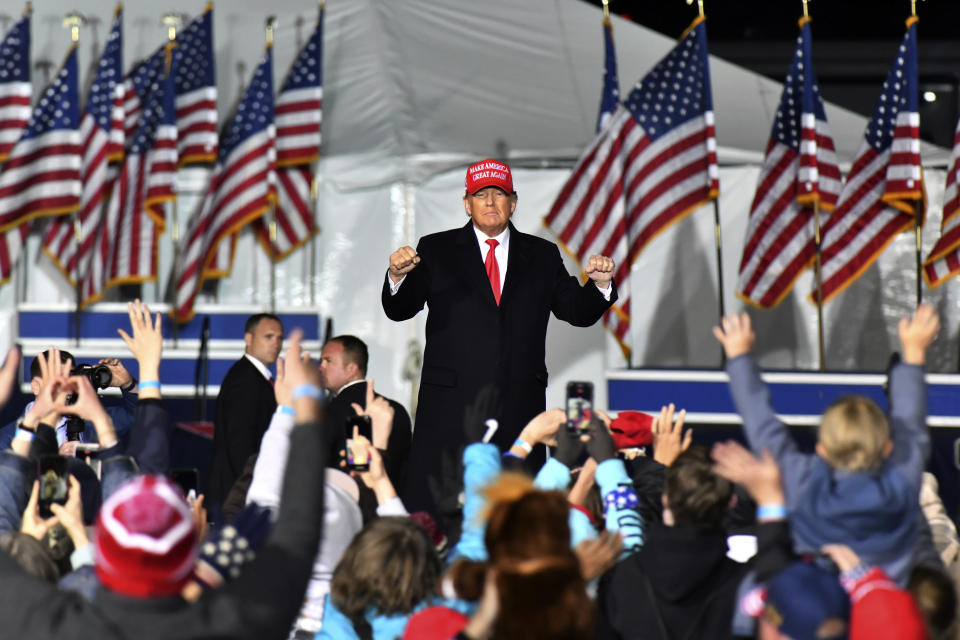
[[470, 263]]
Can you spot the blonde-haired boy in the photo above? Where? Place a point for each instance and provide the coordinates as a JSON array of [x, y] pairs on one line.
[[861, 487]]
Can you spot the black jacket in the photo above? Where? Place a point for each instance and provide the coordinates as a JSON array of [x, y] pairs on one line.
[[471, 342], [244, 407], [683, 578], [260, 604]]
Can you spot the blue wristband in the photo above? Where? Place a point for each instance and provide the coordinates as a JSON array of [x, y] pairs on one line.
[[523, 444], [282, 408], [304, 390], [771, 512], [148, 384]]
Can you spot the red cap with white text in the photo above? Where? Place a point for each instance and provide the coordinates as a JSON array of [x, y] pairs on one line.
[[488, 173]]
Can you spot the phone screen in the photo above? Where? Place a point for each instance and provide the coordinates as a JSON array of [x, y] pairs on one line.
[[579, 406], [364, 427], [187, 478], [54, 486]]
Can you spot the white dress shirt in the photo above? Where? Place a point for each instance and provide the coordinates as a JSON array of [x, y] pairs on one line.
[[262, 368]]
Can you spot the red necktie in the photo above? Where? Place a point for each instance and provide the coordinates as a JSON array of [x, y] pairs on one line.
[[493, 270]]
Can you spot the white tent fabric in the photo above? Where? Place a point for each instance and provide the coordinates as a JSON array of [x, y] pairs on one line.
[[415, 90]]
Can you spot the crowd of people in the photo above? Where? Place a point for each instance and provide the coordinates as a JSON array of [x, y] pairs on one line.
[[630, 529]]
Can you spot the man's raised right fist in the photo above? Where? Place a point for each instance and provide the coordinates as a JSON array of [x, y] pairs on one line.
[[402, 262]]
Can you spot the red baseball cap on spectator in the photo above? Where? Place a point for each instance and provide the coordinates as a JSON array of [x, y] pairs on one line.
[[145, 541], [488, 173], [882, 610], [435, 623], [632, 429]]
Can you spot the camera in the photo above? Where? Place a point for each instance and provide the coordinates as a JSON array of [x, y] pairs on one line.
[[98, 374]]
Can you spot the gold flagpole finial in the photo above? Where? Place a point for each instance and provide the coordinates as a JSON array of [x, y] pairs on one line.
[[74, 20], [323, 4], [606, 9], [173, 21], [271, 28], [699, 6], [806, 12], [913, 8]]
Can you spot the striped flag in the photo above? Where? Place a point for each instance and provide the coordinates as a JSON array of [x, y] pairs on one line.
[[299, 113], [884, 190], [42, 175], [101, 133], [799, 172], [196, 91], [610, 96], [652, 164], [125, 249], [944, 259], [196, 100], [240, 190], [14, 84]]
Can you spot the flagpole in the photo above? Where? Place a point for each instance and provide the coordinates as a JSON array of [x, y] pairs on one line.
[[818, 273], [918, 212], [172, 21], [315, 197], [272, 213], [73, 21]]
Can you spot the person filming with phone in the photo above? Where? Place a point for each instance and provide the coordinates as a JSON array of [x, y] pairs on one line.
[[490, 290]]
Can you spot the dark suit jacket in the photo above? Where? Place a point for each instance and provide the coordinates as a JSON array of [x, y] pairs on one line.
[[398, 446], [472, 342], [244, 407]]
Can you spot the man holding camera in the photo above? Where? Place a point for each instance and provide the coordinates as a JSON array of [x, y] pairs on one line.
[[109, 372]]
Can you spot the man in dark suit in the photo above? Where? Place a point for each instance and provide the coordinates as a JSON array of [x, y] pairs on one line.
[[343, 371], [475, 335], [245, 405]]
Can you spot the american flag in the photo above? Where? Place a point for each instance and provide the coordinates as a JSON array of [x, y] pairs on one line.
[[196, 91], [610, 96], [652, 164], [799, 172], [944, 259], [14, 84], [885, 184], [42, 175], [241, 187], [125, 249], [101, 130], [299, 112], [196, 99]]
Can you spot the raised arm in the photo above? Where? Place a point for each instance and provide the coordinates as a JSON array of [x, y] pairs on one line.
[[405, 287], [763, 428], [908, 394]]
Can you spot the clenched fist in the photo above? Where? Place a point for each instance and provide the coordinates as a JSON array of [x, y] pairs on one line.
[[402, 262], [600, 270]]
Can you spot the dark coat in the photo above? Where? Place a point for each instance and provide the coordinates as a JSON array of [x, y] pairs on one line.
[[244, 407], [398, 445], [471, 342], [261, 603]]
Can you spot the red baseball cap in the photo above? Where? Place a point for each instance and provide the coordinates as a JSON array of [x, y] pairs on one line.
[[488, 173]]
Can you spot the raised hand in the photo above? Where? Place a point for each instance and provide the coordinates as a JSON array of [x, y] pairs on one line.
[[70, 515], [299, 370], [381, 416], [735, 334], [402, 262], [600, 270], [88, 407], [52, 390], [8, 374], [917, 333], [281, 385], [487, 405], [760, 477], [600, 445], [544, 427], [669, 441], [146, 345]]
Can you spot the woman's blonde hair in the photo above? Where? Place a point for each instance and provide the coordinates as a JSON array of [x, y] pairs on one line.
[[854, 434]]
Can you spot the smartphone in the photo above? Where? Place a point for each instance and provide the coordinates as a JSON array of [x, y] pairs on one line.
[[54, 485], [187, 478], [363, 425], [579, 406]]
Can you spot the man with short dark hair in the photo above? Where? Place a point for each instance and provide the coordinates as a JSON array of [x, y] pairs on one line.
[[343, 371], [122, 415], [245, 405]]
